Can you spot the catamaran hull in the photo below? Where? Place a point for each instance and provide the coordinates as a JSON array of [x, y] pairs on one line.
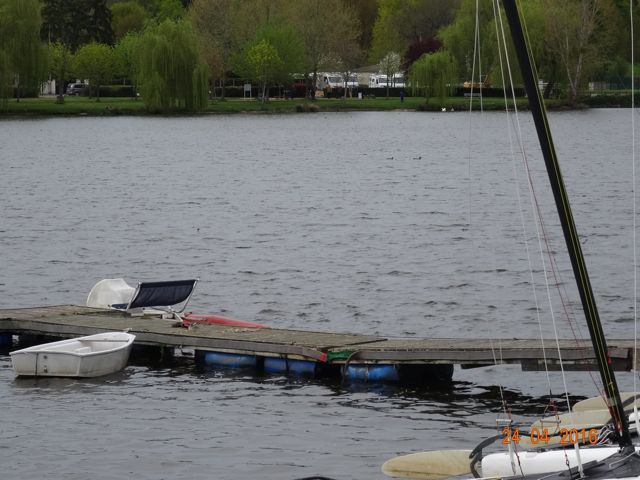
[[533, 463], [91, 356]]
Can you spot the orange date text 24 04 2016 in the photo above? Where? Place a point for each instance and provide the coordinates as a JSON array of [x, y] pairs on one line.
[[568, 436]]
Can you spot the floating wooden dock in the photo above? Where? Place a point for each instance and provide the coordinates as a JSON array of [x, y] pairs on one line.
[[357, 357]]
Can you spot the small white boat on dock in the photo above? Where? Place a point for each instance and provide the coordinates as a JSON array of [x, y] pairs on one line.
[[90, 356]]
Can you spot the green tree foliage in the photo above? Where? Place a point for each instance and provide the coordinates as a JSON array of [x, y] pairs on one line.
[[23, 57], [76, 22], [5, 64], [216, 24], [61, 64], [401, 23], [98, 28], [5, 79], [262, 61], [126, 62], [348, 55], [161, 10], [386, 37], [127, 17], [322, 26], [366, 12], [458, 39], [169, 10], [172, 72], [291, 52], [583, 37], [226, 27], [434, 74], [57, 19], [95, 62], [273, 56], [573, 41]]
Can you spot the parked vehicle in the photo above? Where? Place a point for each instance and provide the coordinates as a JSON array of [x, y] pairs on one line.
[[329, 81], [380, 81], [76, 88]]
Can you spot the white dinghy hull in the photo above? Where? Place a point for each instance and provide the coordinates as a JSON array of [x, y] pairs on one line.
[[540, 462], [90, 356]]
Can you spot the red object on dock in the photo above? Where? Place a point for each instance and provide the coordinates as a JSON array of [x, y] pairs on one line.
[[191, 318]]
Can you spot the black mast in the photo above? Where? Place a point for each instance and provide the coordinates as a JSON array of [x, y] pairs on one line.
[[568, 227]]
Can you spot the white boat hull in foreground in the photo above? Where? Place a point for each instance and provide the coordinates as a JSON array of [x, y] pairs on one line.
[[540, 462], [90, 356]]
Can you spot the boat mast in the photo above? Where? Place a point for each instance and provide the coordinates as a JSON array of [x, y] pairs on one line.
[[568, 226]]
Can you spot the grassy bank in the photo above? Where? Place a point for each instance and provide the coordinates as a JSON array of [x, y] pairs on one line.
[[47, 106]]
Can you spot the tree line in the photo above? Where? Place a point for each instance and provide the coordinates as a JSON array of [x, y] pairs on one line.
[[175, 52]]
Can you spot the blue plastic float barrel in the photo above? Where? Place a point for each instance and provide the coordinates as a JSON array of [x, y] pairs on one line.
[[228, 360], [286, 365], [6, 340], [371, 373]]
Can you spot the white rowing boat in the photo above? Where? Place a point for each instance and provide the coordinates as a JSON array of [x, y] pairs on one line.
[[90, 356]]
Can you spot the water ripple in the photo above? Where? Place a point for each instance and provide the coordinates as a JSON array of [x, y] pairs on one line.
[[301, 222]]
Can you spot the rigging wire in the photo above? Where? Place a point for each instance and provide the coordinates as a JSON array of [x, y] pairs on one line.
[[545, 238], [635, 258], [502, 49], [477, 55]]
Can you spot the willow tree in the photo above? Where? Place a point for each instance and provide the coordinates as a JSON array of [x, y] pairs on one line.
[[5, 65], [25, 57], [434, 74], [459, 39], [171, 70]]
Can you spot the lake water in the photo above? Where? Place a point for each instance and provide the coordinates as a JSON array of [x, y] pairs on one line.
[[400, 224]]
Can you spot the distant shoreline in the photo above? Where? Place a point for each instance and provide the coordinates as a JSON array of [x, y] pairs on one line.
[[85, 106]]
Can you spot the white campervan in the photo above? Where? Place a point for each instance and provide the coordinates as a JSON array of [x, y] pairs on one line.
[[381, 81]]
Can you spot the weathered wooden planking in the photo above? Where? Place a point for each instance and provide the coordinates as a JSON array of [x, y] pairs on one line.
[[72, 320], [485, 351]]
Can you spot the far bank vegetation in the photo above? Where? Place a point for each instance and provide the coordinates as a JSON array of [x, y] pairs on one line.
[[179, 55]]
